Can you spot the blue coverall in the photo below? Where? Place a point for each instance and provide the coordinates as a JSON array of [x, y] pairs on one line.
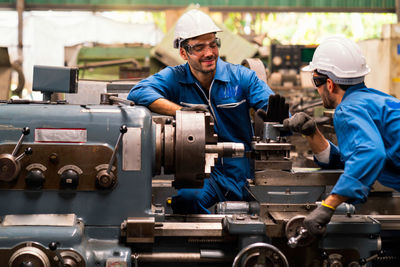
[[367, 125], [233, 91]]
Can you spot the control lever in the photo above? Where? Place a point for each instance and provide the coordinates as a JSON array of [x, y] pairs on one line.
[[28, 151], [293, 241], [25, 131], [364, 261], [110, 99], [53, 247], [10, 165], [105, 178]]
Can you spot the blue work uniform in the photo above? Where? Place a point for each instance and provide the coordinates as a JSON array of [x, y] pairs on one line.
[[233, 91], [367, 125]]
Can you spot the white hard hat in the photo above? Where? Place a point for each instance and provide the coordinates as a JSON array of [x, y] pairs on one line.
[[191, 24], [341, 60]]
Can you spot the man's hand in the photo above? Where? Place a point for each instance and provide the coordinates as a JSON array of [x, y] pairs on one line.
[[301, 123], [277, 111], [201, 108], [316, 221]]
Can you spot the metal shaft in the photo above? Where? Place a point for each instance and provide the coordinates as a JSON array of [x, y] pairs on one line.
[[122, 101], [16, 148], [293, 241], [174, 257]]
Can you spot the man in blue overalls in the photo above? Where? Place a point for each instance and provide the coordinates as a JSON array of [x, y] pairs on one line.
[[228, 91], [367, 125]]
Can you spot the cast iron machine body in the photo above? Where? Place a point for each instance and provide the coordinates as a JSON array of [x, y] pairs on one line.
[[74, 177], [76, 189]]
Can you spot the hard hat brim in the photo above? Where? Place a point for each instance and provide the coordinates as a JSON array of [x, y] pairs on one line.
[[308, 68]]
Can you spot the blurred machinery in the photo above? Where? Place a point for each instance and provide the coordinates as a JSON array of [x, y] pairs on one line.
[[383, 57], [6, 70], [285, 65], [112, 62], [76, 190]]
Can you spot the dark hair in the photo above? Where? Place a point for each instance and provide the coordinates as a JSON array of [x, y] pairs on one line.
[[344, 87], [184, 43]]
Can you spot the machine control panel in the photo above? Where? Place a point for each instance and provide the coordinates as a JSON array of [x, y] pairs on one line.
[[61, 166]]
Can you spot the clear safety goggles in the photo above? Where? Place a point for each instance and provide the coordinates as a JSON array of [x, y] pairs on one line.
[[199, 48]]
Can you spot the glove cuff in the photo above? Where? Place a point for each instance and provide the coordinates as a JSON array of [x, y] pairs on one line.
[[326, 205]]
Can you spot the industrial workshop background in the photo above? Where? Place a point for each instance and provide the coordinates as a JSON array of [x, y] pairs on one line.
[[91, 172], [105, 33]]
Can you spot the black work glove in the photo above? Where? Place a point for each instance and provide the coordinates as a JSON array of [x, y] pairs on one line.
[[316, 221], [277, 111], [300, 123], [201, 108]]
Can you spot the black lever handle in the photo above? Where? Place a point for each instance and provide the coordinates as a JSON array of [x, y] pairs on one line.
[[28, 151]]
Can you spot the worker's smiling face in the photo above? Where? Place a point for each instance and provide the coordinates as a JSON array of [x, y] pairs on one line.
[[202, 53]]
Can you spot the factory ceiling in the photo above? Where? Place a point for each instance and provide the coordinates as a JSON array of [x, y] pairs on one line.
[[386, 6]]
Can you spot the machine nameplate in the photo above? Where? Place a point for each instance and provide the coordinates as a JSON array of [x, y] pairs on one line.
[[47, 135], [132, 150], [40, 219]]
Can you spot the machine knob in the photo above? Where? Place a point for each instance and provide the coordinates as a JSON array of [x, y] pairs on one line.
[[27, 256], [26, 264], [35, 179], [10, 165], [69, 179], [53, 246], [293, 241], [105, 180]]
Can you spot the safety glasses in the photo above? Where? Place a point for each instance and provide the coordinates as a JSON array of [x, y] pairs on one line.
[[199, 48], [318, 80]]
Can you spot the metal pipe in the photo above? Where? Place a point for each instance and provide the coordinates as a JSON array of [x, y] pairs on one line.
[[398, 10], [20, 10]]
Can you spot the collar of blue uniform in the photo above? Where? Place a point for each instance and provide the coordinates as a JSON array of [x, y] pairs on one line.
[[353, 88], [221, 74]]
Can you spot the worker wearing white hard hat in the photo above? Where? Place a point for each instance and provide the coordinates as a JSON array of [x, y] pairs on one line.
[[367, 126], [207, 83], [192, 24]]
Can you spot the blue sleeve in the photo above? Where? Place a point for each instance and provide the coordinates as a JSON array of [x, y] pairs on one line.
[[362, 150], [335, 161], [258, 91], [159, 85]]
